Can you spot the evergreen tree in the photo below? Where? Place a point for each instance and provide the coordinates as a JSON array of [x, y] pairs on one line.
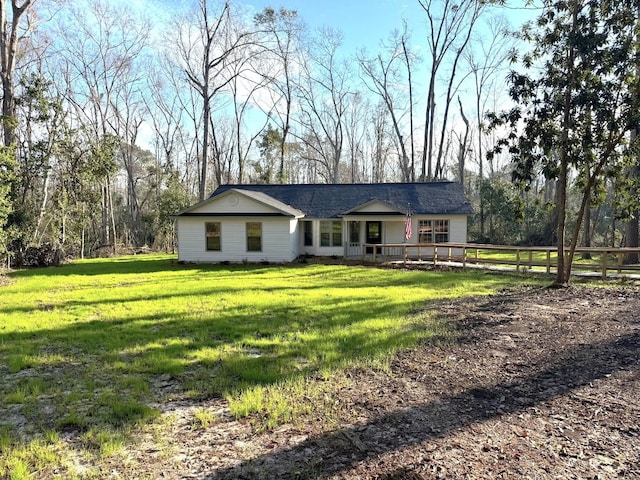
[[575, 115]]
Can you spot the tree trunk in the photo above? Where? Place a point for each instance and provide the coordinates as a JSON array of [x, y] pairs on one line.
[[8, 48], [632, 239], [632, 225], [586, 233], [410, 85], [564, 261], [462, 154], [206, 113]]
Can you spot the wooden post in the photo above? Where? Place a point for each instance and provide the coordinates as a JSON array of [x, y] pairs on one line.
[[464, 257], [620, 258], [435, 254], [604, 265], [548, 262], [517, 260]]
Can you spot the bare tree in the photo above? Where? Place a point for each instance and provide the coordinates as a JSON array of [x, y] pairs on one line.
[[98, 47], [355, 133], [386, 76], [449, 27], [463, 145], [246, 86], [283, 29], [380, 140], [486, 59], [205, 41], [165, 113], [12, 31], [324, 96]]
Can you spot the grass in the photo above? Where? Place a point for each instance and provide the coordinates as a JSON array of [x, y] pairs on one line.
[[86, 348]]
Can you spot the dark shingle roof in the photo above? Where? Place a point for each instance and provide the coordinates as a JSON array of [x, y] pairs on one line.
[[334, 200]]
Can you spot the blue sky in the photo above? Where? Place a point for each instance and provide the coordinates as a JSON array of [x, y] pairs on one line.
[[364, 23]]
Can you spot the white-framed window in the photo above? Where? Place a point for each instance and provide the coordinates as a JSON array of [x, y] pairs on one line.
[[254, 236], [433, 231], [213, 236], [331, 233]]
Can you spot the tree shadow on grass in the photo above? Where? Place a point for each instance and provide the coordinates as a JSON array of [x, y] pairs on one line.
[[214, 350], [335, 452]]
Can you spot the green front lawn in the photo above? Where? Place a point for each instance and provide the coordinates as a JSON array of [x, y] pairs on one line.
[[86, 347]]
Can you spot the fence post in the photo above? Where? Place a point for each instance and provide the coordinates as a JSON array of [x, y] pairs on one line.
[[620, 258], [548, 262]]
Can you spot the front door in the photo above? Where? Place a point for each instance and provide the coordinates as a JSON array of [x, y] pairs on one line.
[[374, 234]]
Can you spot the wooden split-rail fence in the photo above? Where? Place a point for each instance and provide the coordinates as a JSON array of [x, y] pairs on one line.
[[602, 261]]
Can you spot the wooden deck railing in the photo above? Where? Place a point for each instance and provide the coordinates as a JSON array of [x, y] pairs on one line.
[[544, 259]]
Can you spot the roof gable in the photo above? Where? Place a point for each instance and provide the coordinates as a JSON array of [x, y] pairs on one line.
[[336, 200], [237, 202], [375, 206]]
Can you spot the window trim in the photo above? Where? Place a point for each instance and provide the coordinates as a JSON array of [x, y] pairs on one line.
[[247, 224], [438, 230], [212, 234], [331, 230]]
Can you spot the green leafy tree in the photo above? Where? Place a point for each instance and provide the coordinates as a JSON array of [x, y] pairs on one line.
[[575, 115], [269, 146], [7, 178], [171, 200]]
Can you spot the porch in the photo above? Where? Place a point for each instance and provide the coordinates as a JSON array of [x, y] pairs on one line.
[[421, 252]]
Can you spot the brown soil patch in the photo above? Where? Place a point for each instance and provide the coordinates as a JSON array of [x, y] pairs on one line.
[[540, 384]]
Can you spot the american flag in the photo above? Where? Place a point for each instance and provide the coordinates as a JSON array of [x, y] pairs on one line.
[[407, 227]]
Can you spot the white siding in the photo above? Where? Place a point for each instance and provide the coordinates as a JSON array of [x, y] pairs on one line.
[[373, 207], [233, 203], [393, 232], [458, 229], [282, 238], [316, 249], [276, 240], [295, 232]]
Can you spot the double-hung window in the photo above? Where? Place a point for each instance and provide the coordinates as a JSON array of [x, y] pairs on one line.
[[254, 236], [433, 231], [213, 235], [331, 233]]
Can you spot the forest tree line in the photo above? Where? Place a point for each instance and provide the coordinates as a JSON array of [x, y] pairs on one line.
[[114, 121]]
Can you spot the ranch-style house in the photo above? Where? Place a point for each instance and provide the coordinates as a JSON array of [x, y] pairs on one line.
[[278, 223]]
